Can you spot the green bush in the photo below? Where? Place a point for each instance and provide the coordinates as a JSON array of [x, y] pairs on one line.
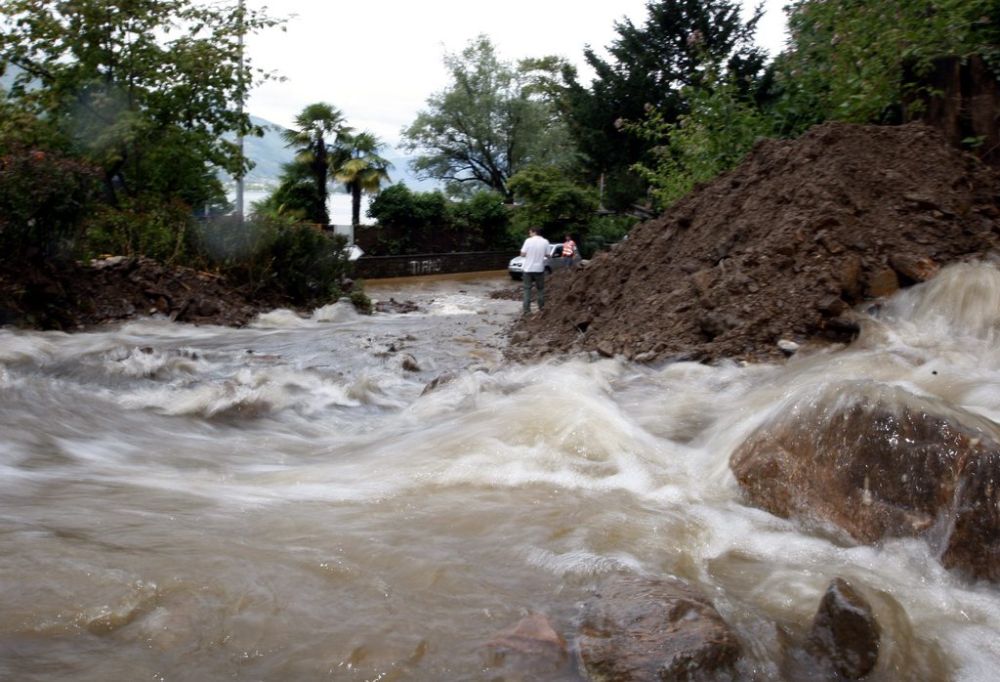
[[362, 303], [307, 265], [551, 201], [850, 60], [44, 196], [603, 231], [149, 226], [713, 137], [482, 219]]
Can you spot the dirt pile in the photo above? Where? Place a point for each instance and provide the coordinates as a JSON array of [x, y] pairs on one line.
[[781, 248], [73, 297]]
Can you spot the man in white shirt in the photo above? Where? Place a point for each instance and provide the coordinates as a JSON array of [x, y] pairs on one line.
[[534, 249]]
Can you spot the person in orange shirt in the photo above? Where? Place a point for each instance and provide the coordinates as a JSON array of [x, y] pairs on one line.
[[569, 249]]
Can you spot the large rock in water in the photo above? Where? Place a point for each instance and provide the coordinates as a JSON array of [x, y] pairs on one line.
[[640, 629], [880, 462]]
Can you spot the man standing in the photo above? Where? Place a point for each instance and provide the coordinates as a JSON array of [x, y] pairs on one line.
[[534, 249]]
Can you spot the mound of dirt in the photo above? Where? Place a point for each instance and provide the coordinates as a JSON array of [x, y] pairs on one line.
[[73, 296], [784, 247]]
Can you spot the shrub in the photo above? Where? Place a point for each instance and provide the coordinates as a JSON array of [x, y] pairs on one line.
[[307, 265], [362, 303], [148, 226], [482, 219], [551, 201], [43, 198]]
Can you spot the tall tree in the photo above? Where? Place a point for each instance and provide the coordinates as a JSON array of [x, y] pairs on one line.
[[858, 61], [361, 169], [128, 79], [319, 129], [489, 122], [648, 68]]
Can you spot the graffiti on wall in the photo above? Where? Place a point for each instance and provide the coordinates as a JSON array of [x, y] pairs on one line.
[[427, 266]]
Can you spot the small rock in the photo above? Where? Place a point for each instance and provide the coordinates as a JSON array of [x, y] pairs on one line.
[[845, 634], [882, 283], [409, 363], [532, 644], [654, 629], [788, 347], [439, 381]]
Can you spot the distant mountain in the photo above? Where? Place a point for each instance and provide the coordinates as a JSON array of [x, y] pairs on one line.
[[269, 153]]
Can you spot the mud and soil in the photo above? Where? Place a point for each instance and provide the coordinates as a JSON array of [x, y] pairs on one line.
[[785, 247]]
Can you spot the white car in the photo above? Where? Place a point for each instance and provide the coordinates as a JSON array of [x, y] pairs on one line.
[[553, 261]]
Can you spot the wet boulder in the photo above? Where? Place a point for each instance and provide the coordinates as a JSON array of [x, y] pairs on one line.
[[845, 635], [637, 629], [880, 462]]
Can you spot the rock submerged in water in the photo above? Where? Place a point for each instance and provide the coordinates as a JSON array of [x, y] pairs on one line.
[[845, 635], [642, 629], [881, 462], [532, 647]]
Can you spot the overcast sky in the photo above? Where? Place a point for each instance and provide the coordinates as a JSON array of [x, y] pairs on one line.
[[378, 62]]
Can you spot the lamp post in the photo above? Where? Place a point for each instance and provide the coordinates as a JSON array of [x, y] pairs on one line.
[[242, 96]]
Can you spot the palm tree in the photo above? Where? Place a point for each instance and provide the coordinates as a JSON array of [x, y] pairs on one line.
[[361, 169], [311, 138]]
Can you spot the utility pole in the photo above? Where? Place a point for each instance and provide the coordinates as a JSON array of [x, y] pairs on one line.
[[242, 96]]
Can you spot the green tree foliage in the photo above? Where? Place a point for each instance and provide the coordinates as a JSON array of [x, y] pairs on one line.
[[146, 226], [605, 230], [551, 201], [277, 259], [145, 89], [320, 130], [413, 222], [491, 121], [482, 219], [653, 65], [413, 215], [308, 264], [43, 197], [715, 135], [294, 199], [858, 61], [360, 167]]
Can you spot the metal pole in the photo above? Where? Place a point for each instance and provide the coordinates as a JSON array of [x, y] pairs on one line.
[[239, 137]]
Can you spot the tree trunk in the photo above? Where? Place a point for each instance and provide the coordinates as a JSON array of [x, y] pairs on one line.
[[355, 204], [965, 104]]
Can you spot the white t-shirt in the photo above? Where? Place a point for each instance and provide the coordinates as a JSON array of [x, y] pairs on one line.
[[534, 251]]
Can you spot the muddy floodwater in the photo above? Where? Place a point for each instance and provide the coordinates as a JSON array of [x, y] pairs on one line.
[[288, 501]]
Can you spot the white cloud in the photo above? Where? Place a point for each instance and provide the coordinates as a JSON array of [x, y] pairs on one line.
[[379, 61]]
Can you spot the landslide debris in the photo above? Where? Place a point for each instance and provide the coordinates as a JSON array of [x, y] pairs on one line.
[[71, 296], [782, 248]]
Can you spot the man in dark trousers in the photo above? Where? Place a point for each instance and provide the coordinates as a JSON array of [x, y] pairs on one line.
[[534, 249]]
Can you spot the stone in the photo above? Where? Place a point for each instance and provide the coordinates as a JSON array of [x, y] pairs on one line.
[[647, 629], [913, 269], [849, 276], [880, 462], [438, 381], [881, 283], [605, 349], [845, 634], [787, 346], [533, 642]]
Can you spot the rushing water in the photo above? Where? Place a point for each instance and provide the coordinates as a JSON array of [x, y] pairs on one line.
[[285, 502]]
